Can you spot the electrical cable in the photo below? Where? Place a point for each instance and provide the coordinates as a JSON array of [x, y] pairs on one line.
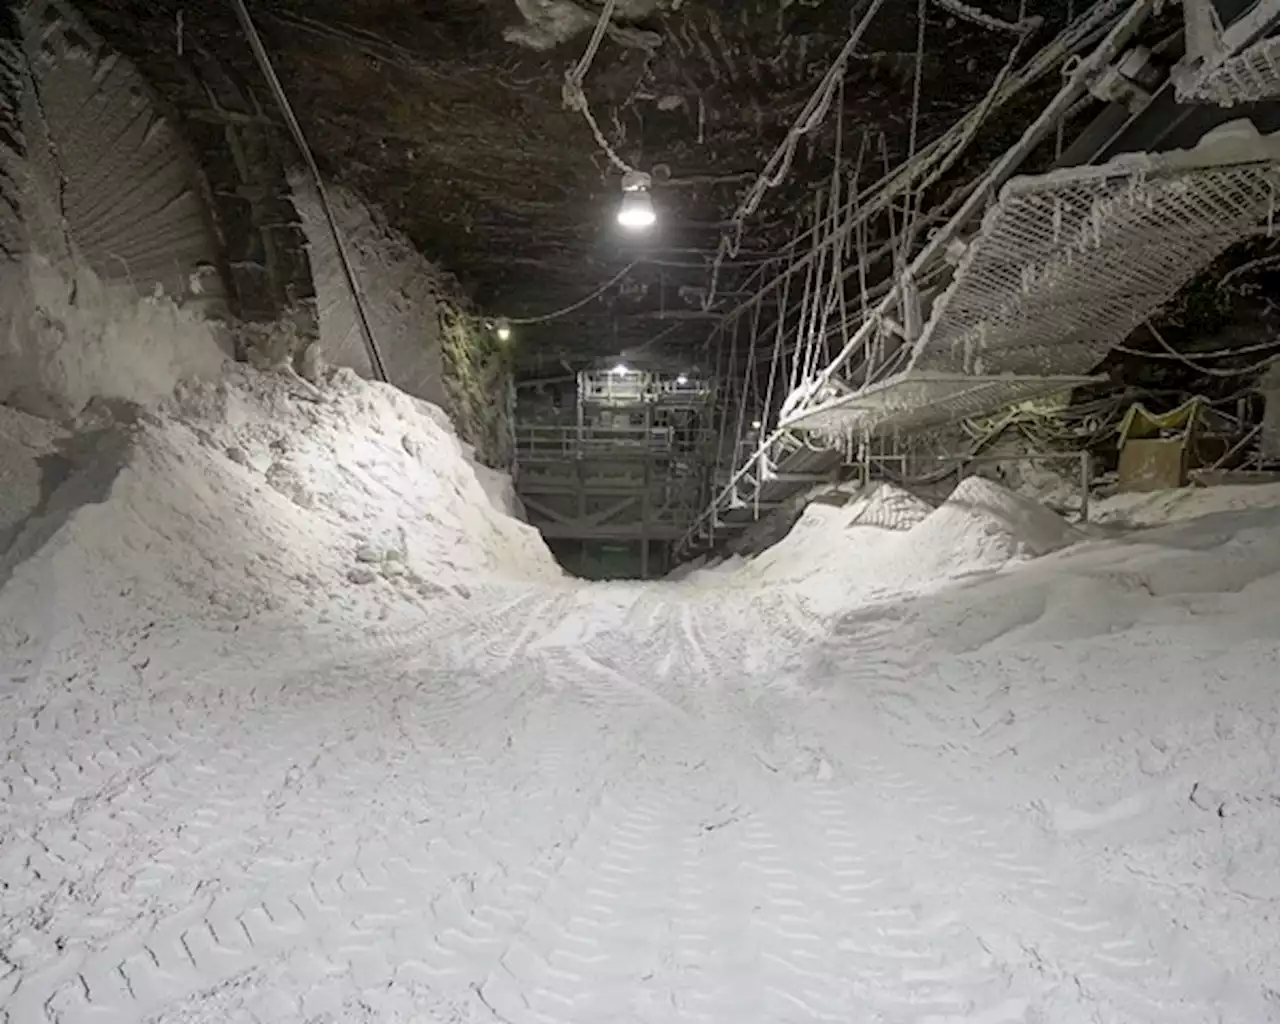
[[282, 101], [947, 148], [923, 20], [574, 95], [1217, 353], [1023, 26], [579, 304], [1208, 371], [778, 165], [579, 71]]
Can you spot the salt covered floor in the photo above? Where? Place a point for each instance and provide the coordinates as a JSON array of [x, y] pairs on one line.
[[991, 791]]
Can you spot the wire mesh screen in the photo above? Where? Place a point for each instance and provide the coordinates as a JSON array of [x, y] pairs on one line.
[[1248, 77], [1067, 264], [917, 400]]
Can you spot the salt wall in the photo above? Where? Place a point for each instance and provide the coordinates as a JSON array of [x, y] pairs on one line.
[[117, 241], [402, 292], [106, 255]]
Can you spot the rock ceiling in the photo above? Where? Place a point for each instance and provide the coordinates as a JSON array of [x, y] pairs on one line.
[[449, 115]]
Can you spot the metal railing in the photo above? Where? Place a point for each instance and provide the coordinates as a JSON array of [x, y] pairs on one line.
[[636, 388], [592, 441]]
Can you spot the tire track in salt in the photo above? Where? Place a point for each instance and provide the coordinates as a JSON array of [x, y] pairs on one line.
[[1044, 915]]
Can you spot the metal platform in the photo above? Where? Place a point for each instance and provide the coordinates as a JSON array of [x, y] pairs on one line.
[[620, 460], [922, 399]]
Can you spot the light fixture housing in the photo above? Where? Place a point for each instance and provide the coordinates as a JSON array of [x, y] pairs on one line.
[[636, 212]]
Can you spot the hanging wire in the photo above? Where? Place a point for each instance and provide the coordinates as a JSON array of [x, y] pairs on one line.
[[780, 333], [922, 21], [940, 155], [1062, 124], [746, 380], [1209, 371], [802, 335], [574, 95], [778, 165], [282, 101], [815, 307], [579, 71], [1023, 26], [914, 196], [839, 213], [581, 302]]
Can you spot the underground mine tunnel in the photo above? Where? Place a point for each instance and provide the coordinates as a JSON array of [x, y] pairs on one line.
[[639, 510]]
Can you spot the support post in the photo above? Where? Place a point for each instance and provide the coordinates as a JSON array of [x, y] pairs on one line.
[[755, 508], [646, 503], [1086, 477]]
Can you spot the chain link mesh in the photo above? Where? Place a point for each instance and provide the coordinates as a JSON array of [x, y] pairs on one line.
[[1065, 266], [1069, 263], [1249, 77]]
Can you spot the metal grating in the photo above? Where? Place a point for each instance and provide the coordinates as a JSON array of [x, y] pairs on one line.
[[919, 400], [1068, 263], [1248, 77]]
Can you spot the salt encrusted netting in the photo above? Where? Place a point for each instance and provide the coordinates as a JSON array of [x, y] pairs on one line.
[[1068, 263], [1249, 77], [919, 399]]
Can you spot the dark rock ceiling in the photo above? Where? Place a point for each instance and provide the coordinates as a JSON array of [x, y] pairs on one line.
[[462, 137]]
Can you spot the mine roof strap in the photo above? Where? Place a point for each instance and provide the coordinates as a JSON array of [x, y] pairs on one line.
[[282, 100]]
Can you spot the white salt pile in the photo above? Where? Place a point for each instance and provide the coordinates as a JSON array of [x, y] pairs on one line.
[[257, 495], [885, 541]]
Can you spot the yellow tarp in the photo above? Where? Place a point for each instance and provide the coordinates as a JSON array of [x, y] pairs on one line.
[[1140, 424]]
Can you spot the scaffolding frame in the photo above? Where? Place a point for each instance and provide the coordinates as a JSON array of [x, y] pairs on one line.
[[628, 464]]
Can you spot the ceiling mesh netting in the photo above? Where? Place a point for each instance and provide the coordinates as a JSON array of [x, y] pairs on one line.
[[1249, 77], [1065, 266]]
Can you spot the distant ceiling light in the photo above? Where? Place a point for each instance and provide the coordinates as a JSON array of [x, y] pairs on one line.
[[621, 370], [682, 380], [636, 212], [503, 330]]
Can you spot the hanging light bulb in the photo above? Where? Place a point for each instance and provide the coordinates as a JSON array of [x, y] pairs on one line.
[[636, 212], [682, 380], [503, 330], [621, 370]]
